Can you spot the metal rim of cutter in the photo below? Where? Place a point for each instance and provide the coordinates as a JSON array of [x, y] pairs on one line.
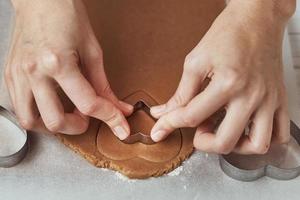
[[139, 136], [267, 170], [15, 158]]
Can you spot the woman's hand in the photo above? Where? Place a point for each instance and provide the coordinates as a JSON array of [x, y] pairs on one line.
[[53, 45], [241, 55]]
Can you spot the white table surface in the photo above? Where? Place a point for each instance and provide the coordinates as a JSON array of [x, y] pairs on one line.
[[52, 171]]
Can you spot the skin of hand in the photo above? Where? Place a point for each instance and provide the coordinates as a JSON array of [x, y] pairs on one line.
[[241, 54], [52, 46]]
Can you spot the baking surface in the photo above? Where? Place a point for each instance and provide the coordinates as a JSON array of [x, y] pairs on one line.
[[52, 171]]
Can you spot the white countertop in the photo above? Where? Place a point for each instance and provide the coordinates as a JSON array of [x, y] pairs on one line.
[[52, 171]]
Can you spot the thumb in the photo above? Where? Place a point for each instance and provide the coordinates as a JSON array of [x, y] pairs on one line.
[[94, 70], [190, 84]]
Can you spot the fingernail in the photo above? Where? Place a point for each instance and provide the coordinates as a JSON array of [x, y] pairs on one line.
[[120, 132], [158, 135], [158, 109], [128, 106]]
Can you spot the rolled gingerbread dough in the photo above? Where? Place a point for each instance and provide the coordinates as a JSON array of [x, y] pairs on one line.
[[144, 44]]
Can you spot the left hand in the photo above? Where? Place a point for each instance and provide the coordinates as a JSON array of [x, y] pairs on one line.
[[241, 54]]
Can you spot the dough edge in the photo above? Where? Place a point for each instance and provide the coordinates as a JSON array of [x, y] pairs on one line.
[[185, 152]]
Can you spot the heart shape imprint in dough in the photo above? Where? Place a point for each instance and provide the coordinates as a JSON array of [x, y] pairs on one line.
[[140, 121]]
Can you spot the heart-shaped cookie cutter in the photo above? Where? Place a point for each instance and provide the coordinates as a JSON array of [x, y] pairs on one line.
[[269, 170], [139, 136]]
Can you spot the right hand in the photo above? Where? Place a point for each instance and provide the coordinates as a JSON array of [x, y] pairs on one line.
[[54, 45]]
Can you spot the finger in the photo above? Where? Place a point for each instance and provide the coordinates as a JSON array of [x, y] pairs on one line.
[[23, 102], [83, 96], [52, 111], [281, 125], [95, 73], [198, 110], [227, 134], [259, 137], [10, 86], [13, 55], [188, 87], [25, 107], [107, 93]]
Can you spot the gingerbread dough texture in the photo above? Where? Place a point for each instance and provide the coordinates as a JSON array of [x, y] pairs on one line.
[[144, 45]]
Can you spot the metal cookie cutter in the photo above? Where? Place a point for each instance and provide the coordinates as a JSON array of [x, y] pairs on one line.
[[281, 162], [139, 136], [14, 156]]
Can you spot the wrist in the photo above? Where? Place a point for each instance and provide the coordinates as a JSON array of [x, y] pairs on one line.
[[286, 8], [277, 10], [262, 20], [31, 6]]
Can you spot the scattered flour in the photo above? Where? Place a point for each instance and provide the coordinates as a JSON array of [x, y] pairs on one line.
[[104, 169], [176, 171], [124, 178]]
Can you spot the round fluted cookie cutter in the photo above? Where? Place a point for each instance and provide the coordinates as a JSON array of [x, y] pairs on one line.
[[13, 156], [270, 170]]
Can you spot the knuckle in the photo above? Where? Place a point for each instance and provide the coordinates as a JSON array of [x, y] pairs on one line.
[[222, 147], [260, 148], [272, 92], [51, 63], [252, 100], [283, 99], [190, 64], [197, 144], [177, 100], [232, 80], [96, 54], [8, 75], [89, 108], [272, 98], [284, 139], [107, 91], [27, 124], [29, 67], [190, 120], [167, 122], [283, 133], [258, 92], [112, 118], [55, 125], [85, 127]]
